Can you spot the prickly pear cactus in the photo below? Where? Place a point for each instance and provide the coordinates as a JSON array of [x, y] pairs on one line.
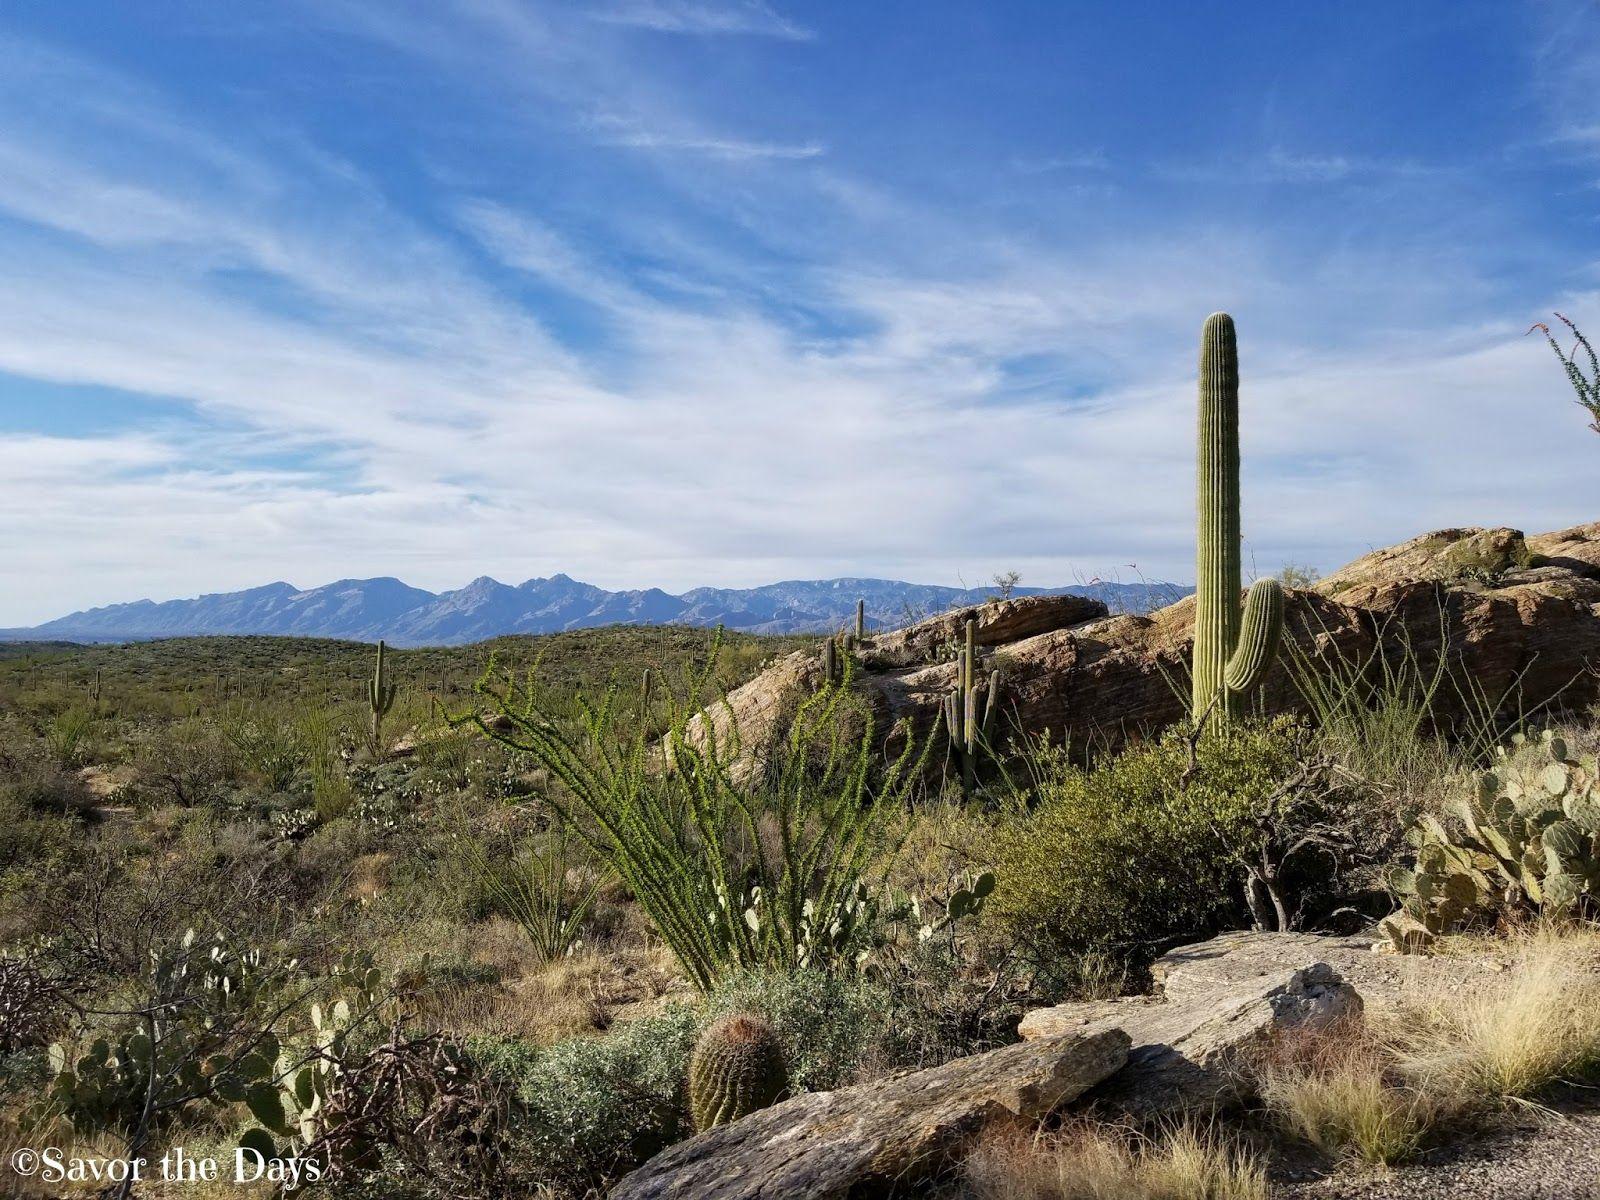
[[1526, 839], [737, 1068]]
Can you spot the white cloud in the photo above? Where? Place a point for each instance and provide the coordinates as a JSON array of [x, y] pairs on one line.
[[687, 16], [397, 407]]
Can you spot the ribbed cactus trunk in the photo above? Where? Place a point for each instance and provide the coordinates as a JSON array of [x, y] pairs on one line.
[[380, 699], [1232, 647]]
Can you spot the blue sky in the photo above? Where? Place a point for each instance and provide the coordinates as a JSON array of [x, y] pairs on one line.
[[679, 292]]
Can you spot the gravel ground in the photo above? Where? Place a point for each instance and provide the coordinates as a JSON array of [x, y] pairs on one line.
[[1539, 1156]]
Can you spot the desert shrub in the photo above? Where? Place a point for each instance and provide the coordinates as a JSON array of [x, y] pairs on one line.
[[739, 865], [267, 746], [68, 737], [185, 763], [32, 781], [1381, 708], [592, 1109], [1144, 846], [834, 1028]]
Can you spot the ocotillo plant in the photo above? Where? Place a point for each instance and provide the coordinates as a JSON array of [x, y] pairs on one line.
[[380, 699], [1232, 648], [969, 711]]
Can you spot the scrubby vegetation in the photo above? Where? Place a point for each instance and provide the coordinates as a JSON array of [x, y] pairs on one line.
[[548, 918], [508, 920]]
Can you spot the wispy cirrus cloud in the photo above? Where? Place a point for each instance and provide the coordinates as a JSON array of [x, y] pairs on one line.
[[731, 357], [747, 18]]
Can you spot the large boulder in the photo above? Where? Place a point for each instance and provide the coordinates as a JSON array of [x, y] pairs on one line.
[[1517, 616], [1215, 1004], [864, 1140]]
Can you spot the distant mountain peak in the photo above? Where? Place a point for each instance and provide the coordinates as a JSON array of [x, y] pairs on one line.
[[388, 608]]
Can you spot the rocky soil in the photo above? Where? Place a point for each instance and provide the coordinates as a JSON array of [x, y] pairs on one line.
[[1538, 1155]]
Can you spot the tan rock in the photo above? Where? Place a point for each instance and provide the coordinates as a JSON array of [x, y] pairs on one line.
[[1215, 1004], [1519, 617]]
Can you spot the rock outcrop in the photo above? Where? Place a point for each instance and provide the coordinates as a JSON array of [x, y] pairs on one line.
[[863, 1140], [1518, 617], [1214, 1004], [1149, 1057]]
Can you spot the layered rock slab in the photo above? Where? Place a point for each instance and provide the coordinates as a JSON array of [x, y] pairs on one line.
[[1215, 1004], [867, 1139]]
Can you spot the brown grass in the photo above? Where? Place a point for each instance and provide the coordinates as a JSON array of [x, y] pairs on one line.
[[1098, 1162], [1381, 1090]]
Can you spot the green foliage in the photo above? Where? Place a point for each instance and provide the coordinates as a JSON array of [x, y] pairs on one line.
[[1587, 386], [737, 1068], [833, 1028], [268, 746], [546, 885], [196, 1038], [68, 736], [739, 865], [592, 1109], [1526, 840], [1232, 649], [1145, 846]]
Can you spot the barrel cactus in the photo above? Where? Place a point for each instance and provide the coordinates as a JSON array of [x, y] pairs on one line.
[[1526, 839], [737, 1068], [1233, 646]]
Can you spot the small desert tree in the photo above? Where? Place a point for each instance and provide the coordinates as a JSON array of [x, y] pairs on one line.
[[1005, 582]]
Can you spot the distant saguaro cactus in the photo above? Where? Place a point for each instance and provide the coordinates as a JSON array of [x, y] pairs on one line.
[[380, 699], [969, 711], [1233, 648], [737, 1068]]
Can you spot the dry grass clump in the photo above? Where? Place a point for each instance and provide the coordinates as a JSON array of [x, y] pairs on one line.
[[1515, 1038], [1338, 1088], [1379, 1091], [1097, 1162]]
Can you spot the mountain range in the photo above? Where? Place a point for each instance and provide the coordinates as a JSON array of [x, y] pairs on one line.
[[369, 609]]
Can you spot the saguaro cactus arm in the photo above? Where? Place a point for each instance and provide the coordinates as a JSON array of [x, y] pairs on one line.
[[1259, 633]]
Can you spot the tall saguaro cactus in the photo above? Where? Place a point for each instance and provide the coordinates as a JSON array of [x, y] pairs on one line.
[[969, 711], [1233, 647], [380, 698]]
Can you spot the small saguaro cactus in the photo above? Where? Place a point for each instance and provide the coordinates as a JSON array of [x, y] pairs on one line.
[[1233, 647], [832, 662], [861, 620], [969, 711], [380, 699], [737, 1068]]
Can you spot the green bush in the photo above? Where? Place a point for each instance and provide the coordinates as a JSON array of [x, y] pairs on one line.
[[834, 1028], [592, 1109], [1144, 846]]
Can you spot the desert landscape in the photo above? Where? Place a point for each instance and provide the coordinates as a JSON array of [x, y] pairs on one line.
[[1090, 684]]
